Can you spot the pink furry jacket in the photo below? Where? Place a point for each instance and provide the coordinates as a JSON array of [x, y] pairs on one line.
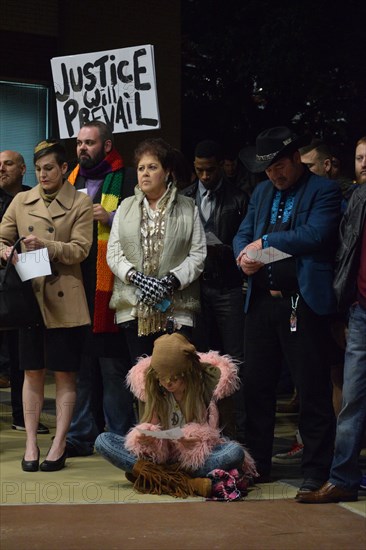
[[162, 450]]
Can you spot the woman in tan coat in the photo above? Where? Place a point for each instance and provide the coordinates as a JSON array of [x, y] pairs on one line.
[[55, 216]]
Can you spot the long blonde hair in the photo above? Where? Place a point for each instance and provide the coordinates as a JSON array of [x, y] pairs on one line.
[[196, 397]]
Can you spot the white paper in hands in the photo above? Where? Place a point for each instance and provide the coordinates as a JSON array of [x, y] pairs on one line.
[[266, 255], [173, 433], [35, 263]]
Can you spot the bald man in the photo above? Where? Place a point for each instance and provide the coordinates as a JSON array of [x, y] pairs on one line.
[[12, 170]]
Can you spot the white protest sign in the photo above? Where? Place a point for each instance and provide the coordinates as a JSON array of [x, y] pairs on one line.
[[117, 87]]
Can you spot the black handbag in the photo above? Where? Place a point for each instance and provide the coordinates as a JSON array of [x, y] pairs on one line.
[[18, 304]]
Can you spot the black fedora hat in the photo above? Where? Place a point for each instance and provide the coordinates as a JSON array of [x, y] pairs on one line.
[[271, 144], [246, 155]]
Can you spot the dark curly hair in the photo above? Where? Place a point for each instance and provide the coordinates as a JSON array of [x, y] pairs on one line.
[[159, 148]]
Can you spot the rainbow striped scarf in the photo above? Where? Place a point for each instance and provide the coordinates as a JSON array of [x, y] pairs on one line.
[[111, 194]]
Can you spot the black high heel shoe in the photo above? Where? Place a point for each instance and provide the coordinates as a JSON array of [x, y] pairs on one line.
[[54, 465], [30, 465]]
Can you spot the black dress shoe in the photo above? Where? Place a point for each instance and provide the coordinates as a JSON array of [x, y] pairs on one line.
[[20, 426], [54, 465], [30, 465], [263, 478], [73, 451]]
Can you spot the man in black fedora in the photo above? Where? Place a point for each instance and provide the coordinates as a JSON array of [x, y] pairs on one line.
[[289, 302]]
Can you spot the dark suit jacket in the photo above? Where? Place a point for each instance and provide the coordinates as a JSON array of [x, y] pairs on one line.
[[5, 200], [230, 209], [312, 238]]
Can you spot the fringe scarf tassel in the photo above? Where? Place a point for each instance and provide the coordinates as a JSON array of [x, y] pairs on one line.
[[158, 479]]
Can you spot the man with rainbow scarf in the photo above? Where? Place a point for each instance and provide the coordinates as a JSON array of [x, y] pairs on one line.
[[101, 396]]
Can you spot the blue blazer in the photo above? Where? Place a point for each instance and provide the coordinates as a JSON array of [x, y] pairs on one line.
[[312, 238]]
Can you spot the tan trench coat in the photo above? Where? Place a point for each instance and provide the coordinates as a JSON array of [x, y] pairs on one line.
[[66, 228]]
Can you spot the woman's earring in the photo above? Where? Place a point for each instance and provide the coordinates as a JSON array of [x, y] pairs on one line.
[[166, 178]]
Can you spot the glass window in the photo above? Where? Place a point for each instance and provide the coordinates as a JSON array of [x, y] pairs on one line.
[[24, 120]]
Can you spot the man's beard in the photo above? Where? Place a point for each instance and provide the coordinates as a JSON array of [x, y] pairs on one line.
[[88, 162], [361, 177]]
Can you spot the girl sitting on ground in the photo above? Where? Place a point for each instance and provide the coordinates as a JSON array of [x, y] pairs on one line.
[[178, 388]]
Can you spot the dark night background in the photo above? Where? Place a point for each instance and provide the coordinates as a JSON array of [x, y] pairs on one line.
[[250, 65], [225, 69]]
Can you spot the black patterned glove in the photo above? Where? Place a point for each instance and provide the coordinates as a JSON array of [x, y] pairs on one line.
[[171, 283], [152, 290]]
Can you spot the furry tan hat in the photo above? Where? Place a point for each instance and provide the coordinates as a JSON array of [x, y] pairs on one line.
[[172, 355]]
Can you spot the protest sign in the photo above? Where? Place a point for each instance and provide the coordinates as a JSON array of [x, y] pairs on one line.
[[117, 87]]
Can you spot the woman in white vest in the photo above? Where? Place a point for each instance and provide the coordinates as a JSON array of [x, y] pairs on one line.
[[156, 251]]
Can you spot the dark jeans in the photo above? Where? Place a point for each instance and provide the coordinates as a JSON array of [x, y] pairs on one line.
[[102, 396], [114, 398], [220, 327], [267, 340], [346, 472]]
